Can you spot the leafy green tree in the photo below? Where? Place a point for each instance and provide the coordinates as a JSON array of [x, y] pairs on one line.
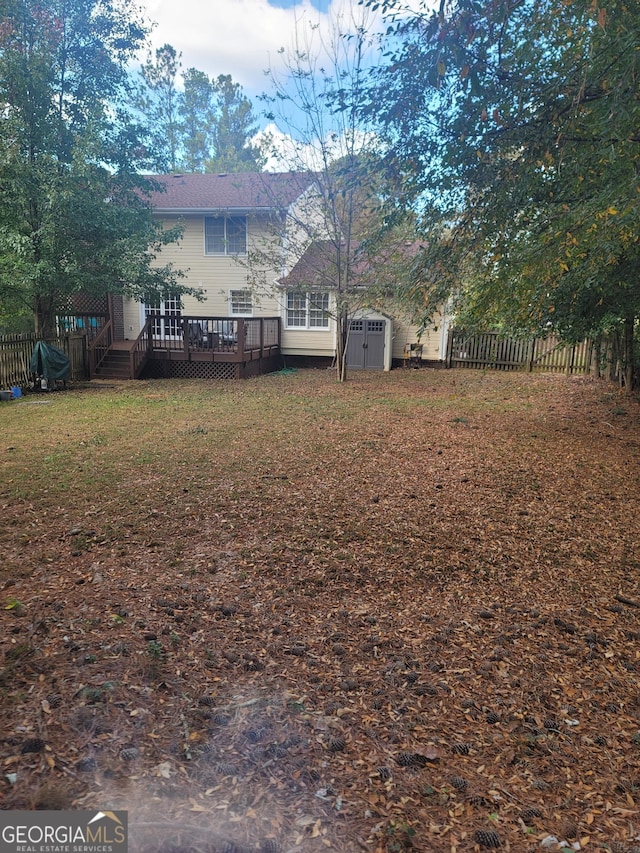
[[159, 101], [195, 123], [517, 126], [73, 215], [232, 130], [198, 119]]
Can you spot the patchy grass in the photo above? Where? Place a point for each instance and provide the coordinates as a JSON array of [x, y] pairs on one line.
[[284, 614]]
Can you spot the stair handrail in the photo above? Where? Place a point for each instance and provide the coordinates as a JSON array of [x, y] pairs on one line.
[[141, 349], [99, 347]]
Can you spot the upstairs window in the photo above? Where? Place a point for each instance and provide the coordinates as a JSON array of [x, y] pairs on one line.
[[225, 235], [307, 310]]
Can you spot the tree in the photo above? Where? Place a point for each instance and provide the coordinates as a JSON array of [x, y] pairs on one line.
[[196, 123], [517, 125], [315, 105], [232, 131], [73, 214], [198, 119], [158, 100]]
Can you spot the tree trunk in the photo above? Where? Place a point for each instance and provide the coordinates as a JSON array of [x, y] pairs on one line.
[[342, 330], [596, 355], [43, 315], [628, 355], [612, 349]]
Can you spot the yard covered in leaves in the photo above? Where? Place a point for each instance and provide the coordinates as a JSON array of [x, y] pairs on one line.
[[284, 614]]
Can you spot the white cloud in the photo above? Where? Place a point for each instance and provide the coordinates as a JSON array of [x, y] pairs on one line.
[[244, 38], [237, 37], [289, 154], [285, 153]]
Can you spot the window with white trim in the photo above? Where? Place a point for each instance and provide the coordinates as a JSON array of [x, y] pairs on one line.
[[166, 314], [240, 303], [307, 310], [225, 235]]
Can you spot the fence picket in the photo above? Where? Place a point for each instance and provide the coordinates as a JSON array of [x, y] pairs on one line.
[[497, 352], [15, 357]]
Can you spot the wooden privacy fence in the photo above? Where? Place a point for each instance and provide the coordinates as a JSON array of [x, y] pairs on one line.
[[15, 357], [496, 352]]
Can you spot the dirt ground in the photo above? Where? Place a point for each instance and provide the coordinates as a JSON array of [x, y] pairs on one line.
[[288, 615]]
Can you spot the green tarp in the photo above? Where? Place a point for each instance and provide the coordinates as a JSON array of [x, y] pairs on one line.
[[50, 362]]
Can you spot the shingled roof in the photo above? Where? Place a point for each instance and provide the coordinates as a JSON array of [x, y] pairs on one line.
[[317, 267], [238, 191]]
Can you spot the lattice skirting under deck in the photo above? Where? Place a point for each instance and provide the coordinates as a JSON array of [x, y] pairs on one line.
[[210, 370]]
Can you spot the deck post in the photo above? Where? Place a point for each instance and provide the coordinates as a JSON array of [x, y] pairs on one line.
[[185, 338], [241, 339]]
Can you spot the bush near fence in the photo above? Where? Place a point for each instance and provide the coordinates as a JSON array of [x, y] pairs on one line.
[[15, 357]]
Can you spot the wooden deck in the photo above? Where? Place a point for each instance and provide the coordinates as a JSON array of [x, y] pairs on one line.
[[207, 347]]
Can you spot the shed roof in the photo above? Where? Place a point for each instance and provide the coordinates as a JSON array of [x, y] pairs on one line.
[[229, 191]]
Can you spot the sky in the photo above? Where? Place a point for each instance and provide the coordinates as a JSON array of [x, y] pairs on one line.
[[237, 37], [244, 38]]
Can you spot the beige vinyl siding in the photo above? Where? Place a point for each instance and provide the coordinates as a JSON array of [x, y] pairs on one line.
[[131, 319], [308, 341], [407, 333], [214, 275], [305, 224]]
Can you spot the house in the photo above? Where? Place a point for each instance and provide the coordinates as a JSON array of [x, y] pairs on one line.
[[254, 309], [378, 333]]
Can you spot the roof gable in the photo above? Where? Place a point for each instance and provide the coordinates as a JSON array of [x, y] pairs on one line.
[[237, 191], [317, 267]]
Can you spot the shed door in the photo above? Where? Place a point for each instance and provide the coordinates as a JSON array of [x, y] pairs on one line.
[[365, 350]]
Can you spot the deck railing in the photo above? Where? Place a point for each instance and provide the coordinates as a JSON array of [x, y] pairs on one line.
[[228, 338], [82, 324], [141, 351], [99, 348]]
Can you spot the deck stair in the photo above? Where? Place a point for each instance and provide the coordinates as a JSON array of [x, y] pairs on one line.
[[115, 365]]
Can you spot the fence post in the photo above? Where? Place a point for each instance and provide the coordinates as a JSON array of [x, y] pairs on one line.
[[531, 349], [596, 346], [15, 356], [568, 353], [92, 362]]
